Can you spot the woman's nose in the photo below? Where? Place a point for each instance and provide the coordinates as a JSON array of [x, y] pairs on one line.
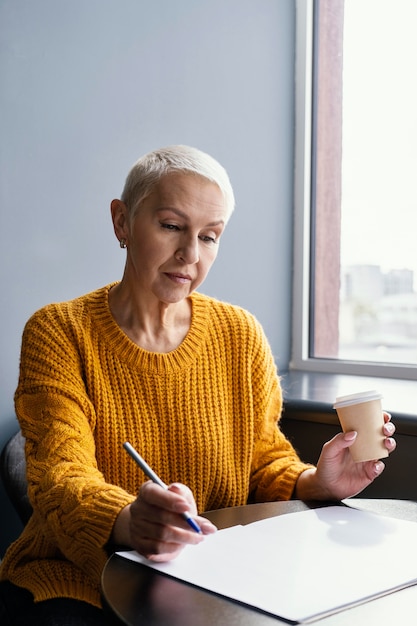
[[188, 251]]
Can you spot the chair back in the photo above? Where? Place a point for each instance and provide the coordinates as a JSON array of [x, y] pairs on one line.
[[13, 475]]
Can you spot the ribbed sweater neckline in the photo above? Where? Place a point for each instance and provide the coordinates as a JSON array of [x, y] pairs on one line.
[[129, 352]]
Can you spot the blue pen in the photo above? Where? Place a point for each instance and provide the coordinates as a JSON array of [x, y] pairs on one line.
[[155, 478]]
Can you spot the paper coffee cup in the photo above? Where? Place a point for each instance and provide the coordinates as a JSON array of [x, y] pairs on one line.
[[363, 412]]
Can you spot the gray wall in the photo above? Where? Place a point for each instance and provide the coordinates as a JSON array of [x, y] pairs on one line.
[[88, 86]]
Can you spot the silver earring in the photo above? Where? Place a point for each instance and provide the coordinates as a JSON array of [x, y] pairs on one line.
[[122, 243]]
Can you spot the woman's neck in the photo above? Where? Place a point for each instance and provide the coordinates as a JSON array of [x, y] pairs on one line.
[[153, 325]]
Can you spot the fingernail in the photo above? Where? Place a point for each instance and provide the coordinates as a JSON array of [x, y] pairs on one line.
[[389, 427], [378, 467], [351, 435], [208, 527]]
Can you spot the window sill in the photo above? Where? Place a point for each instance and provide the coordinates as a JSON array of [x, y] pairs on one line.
[[309, 396], [309, 420]]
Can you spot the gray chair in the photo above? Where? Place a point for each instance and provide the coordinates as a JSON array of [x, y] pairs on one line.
[[13, 475]]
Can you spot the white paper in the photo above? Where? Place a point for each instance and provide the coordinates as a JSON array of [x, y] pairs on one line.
[[303, 565]]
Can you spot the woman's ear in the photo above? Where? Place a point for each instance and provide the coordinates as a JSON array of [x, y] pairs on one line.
[[120, 218]]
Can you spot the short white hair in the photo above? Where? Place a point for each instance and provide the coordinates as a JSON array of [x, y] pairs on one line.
[[150, 168]]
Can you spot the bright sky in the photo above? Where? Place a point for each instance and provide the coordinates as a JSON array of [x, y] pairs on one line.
[[379, 211]]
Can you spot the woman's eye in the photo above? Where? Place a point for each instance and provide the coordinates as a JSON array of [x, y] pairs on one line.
[[208, 239], [174, 227], [170, 226]]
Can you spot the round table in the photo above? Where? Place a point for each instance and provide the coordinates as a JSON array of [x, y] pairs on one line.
[[139, 595]]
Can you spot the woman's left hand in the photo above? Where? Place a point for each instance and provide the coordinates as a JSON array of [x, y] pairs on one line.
[[337, 476]]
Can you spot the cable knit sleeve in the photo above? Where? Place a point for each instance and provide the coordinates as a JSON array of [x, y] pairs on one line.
[[275, 464], [70, 496]]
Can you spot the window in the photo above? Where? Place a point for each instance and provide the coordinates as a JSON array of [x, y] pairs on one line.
[[355, 281]]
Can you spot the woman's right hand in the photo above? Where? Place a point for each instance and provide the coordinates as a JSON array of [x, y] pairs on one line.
[[153, 524]]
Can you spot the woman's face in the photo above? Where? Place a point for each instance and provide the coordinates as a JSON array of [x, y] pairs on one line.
[[173, 239]]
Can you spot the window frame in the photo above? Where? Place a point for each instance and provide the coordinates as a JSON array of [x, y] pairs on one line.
[[303, 219]]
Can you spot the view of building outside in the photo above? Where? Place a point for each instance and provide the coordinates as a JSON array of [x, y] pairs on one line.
[[378, 315], [378, 299]]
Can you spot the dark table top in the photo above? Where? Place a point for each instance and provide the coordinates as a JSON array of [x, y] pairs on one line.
[[139, 595]]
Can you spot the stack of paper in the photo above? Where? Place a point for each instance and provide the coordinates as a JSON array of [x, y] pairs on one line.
[[303, 565]]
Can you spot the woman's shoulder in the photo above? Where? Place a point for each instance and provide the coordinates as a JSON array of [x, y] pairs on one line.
[[64, 311], [227, 313]]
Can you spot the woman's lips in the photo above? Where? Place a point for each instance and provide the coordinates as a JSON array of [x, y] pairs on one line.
[[178, 278]]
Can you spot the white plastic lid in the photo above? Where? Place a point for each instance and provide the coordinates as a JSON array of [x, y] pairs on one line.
[[356, 398]]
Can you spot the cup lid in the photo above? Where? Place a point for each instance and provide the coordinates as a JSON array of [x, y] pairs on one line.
[[356, 398]]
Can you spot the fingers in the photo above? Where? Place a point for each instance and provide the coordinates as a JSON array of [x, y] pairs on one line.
[[389, 427], [349, 438], [158, 530], [344, 440], [389, 430], [170, 499], [340, 441], [377, 468], [390, 444], [162, 507], [373, 469], [387, 416], [207, 527], [186, 495]]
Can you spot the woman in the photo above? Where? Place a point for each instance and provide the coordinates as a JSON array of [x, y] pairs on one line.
[[189, 381]]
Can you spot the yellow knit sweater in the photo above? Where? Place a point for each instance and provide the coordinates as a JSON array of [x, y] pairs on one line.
[[204, 414]]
